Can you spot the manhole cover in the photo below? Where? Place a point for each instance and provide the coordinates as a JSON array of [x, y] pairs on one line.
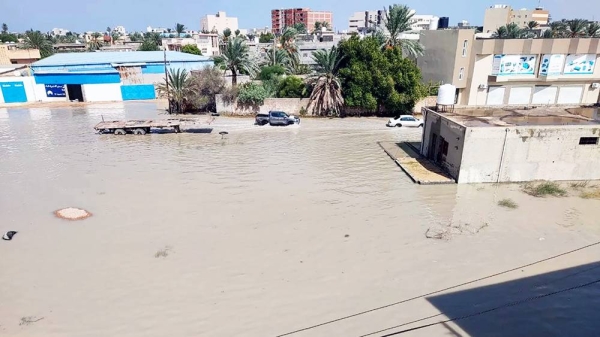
[[72, 213]]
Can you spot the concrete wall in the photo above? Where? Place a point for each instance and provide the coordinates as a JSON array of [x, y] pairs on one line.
[[452, 133], [291, 106], [28, 84], [102, 92], [530, 153]]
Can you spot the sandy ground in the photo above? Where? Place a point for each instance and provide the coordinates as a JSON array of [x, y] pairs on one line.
[[268, 231]]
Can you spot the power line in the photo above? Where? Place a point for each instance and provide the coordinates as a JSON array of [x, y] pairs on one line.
[[511, 304], [435, 292]]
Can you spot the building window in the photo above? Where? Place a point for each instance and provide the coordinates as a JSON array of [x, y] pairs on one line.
[[588, 141], [461, 74], [464, 50]]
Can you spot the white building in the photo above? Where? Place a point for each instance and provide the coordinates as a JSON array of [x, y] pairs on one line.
[[59, 31], [120, 29], [361, 21], [424, 22], [218, 23], [156, 30], [207, 43]]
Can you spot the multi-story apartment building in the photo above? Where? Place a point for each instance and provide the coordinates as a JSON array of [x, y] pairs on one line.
[[521, 72], [218, 23], [14, 54], [281, 18], [501, 15], [360, 22]]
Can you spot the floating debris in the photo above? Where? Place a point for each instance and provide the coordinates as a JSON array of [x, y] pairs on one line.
[[8, 235], [72, 213]]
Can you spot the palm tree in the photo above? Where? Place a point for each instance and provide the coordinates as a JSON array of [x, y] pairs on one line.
[[178, 84], [326, 96], [276, 57], [95, 42], [180, 28], [397, 22], [532, 25], [156, 38], [236, 57], [510, 31], [4, 28], [237, 32], [318, 26], [114, 36], [558, 29], [294, 66], [226, 35], [576, 28], [37, 40], [288, 39], [593, 29]]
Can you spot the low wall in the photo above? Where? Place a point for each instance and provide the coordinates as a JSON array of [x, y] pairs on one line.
[[290, 105], [293, 106]]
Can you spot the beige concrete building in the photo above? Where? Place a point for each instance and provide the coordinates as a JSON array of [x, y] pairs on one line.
[[501, 15], [514, 145], [10, 54], [218, 23], [518, 72]]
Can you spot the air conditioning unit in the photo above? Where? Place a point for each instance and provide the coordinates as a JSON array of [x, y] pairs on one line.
[[595, 85], [483, 86]]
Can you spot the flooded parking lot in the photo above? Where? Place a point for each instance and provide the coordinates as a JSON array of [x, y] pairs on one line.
[[266, 231]]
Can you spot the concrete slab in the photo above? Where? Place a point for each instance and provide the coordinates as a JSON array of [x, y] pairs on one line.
[[419, 169]]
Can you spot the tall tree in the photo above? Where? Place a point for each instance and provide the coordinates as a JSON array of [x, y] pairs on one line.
[[226, 35], [4, 28], [374, 80], [396, 22], [576, 28], [148, 45], [266, 37], [288, 39], [593, 29], [326, 96], [37, 40], [156, 38], [236, 57], [95, 41], [276, 57], [510, 31], [108, 29], [178, 85], [114, 36], [532, 25], [180, 29], [237, 33]]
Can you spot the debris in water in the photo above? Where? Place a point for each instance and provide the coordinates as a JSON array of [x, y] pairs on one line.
[[72, 213], [8, 235]]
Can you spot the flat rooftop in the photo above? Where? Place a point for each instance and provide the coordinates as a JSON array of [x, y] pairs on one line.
[[503, 117]]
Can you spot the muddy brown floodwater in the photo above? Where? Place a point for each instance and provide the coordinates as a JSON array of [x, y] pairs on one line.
[[268, 231]]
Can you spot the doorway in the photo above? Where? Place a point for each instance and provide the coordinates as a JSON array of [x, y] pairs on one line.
[[74, 92]]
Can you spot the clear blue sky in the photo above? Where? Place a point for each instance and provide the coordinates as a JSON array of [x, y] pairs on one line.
[[82, 15]]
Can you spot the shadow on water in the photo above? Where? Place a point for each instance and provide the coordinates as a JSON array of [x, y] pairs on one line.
[[198, 130], [525, 308]]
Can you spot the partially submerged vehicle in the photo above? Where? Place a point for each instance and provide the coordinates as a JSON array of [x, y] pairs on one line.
[[276, 118]]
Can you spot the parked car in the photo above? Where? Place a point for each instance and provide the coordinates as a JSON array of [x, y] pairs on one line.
[[405, 120], [276, 118]]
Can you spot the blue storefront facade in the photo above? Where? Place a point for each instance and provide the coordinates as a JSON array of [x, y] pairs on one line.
[[108, 76]]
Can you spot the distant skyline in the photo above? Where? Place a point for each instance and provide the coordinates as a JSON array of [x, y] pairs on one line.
[[136, 15]]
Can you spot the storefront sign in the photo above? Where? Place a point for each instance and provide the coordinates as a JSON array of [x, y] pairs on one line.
[[552, 64], [55, 90], [508, 65], [578, 64]]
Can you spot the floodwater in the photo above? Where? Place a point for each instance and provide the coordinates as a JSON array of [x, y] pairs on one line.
[[267, 231]]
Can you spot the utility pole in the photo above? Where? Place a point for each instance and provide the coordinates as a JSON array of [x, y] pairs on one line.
[[167, 80]]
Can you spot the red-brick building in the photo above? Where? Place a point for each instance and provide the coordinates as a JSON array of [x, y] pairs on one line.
[[281, 18]]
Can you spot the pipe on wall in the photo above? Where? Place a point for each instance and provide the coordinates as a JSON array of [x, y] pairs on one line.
[[502, 156]]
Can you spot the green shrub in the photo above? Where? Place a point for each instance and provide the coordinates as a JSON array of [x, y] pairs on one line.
[[544, 189], [191, 49], [267, 73], [508, 203], [252, 93], [291, 87]]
